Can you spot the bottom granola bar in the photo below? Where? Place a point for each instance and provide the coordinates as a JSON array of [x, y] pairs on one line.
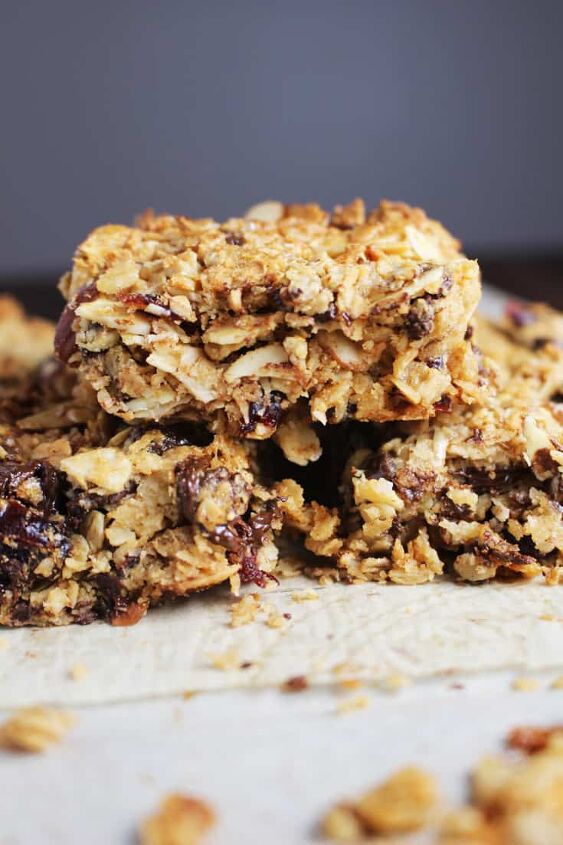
[[100, 520], [477, 493]]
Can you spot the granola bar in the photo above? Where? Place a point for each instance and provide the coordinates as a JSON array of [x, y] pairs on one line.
[[99, 520], [477, 492], [287, 315]]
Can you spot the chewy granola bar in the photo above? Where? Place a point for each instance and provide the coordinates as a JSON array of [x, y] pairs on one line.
[[102, 520], [286, 316], [477, 492]]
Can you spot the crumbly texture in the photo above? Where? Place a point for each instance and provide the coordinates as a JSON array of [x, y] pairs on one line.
[[286, 316], [35, 729], [179, 820], [402, 804], [514, 800], [102, 520], [24, 341], [477, 492]]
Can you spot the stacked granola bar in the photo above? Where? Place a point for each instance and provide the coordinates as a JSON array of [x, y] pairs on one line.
[[292, 370]]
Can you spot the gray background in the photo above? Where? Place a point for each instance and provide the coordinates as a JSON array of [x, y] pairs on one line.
[[206, 107]]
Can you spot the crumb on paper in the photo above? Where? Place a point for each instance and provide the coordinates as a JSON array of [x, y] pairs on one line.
[[301, 596], [179, 820], [275, 619], [4, 643], [531, 739], [395, 682], [525, 684], [189, 693], [298, 683], [349, 683], [341, 824], [34, 729], [404, 803], [349, 705], [245, 610], [77, 672], [345, 669], [557, 683], [226, 661]]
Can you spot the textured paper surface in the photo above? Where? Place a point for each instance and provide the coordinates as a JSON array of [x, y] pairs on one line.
[[424, 631], [420, 632]]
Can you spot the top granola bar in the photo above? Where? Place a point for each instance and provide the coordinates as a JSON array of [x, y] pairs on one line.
[[348, 315]]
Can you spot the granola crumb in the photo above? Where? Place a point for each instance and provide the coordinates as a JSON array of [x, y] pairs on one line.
[[179, 820], [349, 705], [349, 683], [345, 669], [404, 803], [34, 729], [396, 682], [525, 684], [341, 824], [245, 610], [298, 683], [557, 683], [530, 739], [300, 596], [226, 661], [189, 693], [275, 619], [77, 672]]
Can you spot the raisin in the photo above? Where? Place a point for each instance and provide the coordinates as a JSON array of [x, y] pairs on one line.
[[234, 239], [65, 336]]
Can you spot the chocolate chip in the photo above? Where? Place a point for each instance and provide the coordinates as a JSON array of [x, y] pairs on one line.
[[419, 321]]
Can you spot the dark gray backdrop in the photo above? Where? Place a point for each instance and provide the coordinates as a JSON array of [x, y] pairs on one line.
[[206, 107]]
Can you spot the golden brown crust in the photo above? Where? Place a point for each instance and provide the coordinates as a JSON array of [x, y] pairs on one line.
[[348, 313]]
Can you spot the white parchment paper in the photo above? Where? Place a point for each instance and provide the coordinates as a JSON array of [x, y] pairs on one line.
[[380, 630]]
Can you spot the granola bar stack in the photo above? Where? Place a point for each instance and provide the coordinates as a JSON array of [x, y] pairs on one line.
[[215, 384]]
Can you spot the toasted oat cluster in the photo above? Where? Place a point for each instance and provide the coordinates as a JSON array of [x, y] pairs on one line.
[[402, 804], [179, 820], [513, 801], [286, 316], [24, 341], [35, 729], [102, 520], [477, 492]]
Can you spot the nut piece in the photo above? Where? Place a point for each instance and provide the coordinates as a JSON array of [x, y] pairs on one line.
[[106, 468], [34, 729], [269, 211], [179, 820]]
